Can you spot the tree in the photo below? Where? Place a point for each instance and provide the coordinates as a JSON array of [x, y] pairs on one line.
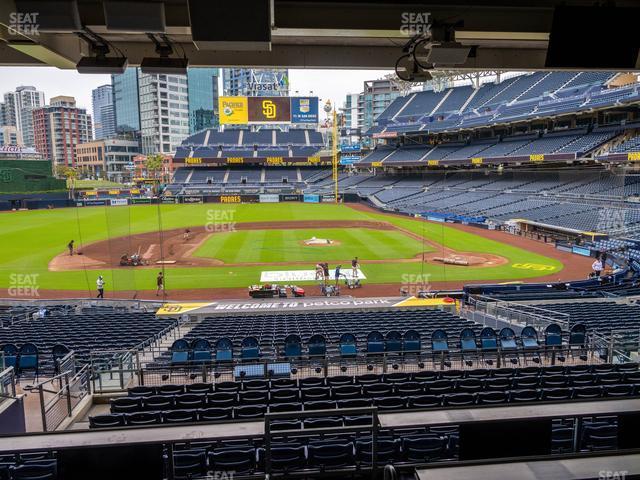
[[69, 173], [153, 164]]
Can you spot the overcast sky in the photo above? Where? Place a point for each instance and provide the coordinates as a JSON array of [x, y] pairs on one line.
[[326, 84]]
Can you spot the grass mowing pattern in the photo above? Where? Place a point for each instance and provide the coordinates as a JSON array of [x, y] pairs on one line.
[[270, 246], [31, 239]]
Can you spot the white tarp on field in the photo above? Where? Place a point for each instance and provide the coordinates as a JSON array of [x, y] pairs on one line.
[[304, 275]]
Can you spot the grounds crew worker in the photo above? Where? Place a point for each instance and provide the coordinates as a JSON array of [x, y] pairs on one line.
[[100, 286]]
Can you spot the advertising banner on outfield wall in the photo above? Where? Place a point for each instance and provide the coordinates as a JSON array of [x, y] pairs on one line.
[[192, 199], [136, 201], [330, 198], [269, 198], [309, 198], [169, 200], [118, 202], [582, 251], [289, 198], [94, 203], [304, 110], [233, 110]]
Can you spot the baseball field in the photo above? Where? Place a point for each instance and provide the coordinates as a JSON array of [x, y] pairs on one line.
[[228, 246]]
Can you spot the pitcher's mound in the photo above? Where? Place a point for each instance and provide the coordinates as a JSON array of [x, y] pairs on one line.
[[320, 242]]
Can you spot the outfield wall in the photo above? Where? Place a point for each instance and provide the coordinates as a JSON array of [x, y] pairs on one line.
[[24, 176]]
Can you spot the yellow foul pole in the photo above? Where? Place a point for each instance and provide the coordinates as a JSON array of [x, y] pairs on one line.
[[334, 159]]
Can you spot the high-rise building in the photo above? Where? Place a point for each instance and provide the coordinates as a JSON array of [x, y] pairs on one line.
[[256, 82], [58, 128], [126, 101], [162, 110], [202, 84], [103, 112], [10, 135], [376, 96], [17, 111]]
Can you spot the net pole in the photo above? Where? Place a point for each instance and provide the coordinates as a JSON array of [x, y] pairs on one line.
[[334, 156]]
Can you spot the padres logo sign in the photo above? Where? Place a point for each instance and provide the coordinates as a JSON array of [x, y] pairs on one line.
[[533, 266], [269, 109]]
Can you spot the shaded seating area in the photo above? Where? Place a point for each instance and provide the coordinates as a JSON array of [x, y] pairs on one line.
[[247, 398]]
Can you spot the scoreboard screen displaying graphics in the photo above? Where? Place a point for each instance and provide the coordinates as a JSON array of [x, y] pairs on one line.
[[269, 109], [264, 110]]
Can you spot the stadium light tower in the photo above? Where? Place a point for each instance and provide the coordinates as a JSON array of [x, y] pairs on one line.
[[328, 108]]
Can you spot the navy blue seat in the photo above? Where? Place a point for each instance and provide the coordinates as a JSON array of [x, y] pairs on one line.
[[317, 346], [286, 458], [239, 460], [375, 342], [201, 348], [35, 471], [58, 352], [189, 464], [107, 421], [293, 346], [529, 338], [423, 448], [330, 455], [578, 335], [250, 349], [508, 339], [488, 339], [10, 352], [180, 351], [412, 342], [553, 335], [27, 358], [347, 345], [387, 451], [468, 341], [224, 350], [180, 416], [393, 342], [439, 341]]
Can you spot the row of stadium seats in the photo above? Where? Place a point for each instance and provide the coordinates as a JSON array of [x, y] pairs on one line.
[[240, 400]]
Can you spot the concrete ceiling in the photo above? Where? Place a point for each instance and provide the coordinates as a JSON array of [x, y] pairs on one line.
[[314, 34]]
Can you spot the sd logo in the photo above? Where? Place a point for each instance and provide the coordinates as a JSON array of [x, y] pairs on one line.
[[533, 266], [269, 109]]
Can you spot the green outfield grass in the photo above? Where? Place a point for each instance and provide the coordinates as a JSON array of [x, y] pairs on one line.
[[31, 239], [270, 246]]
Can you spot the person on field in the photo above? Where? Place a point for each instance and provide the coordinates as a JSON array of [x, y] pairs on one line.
[[70, 247], [325, 272], [596, 266], [319, 271], [337, 274], [100, 286], [354, 267], [187, 235], [159, 283]]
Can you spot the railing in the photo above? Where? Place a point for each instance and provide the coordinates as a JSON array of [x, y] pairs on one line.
[[113, 370], [119, 376], [492, 312], [7, 383], [60, 395]]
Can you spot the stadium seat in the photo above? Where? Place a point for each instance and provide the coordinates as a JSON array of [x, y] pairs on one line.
[[411, 342], [347, 345], [317, 346], [201, 350], [393, 342], [292, 346], [180, 352], [250, 349], [375, 343], [224, 350]]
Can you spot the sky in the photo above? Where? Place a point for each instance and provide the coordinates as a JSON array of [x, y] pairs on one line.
[[326, 84]]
